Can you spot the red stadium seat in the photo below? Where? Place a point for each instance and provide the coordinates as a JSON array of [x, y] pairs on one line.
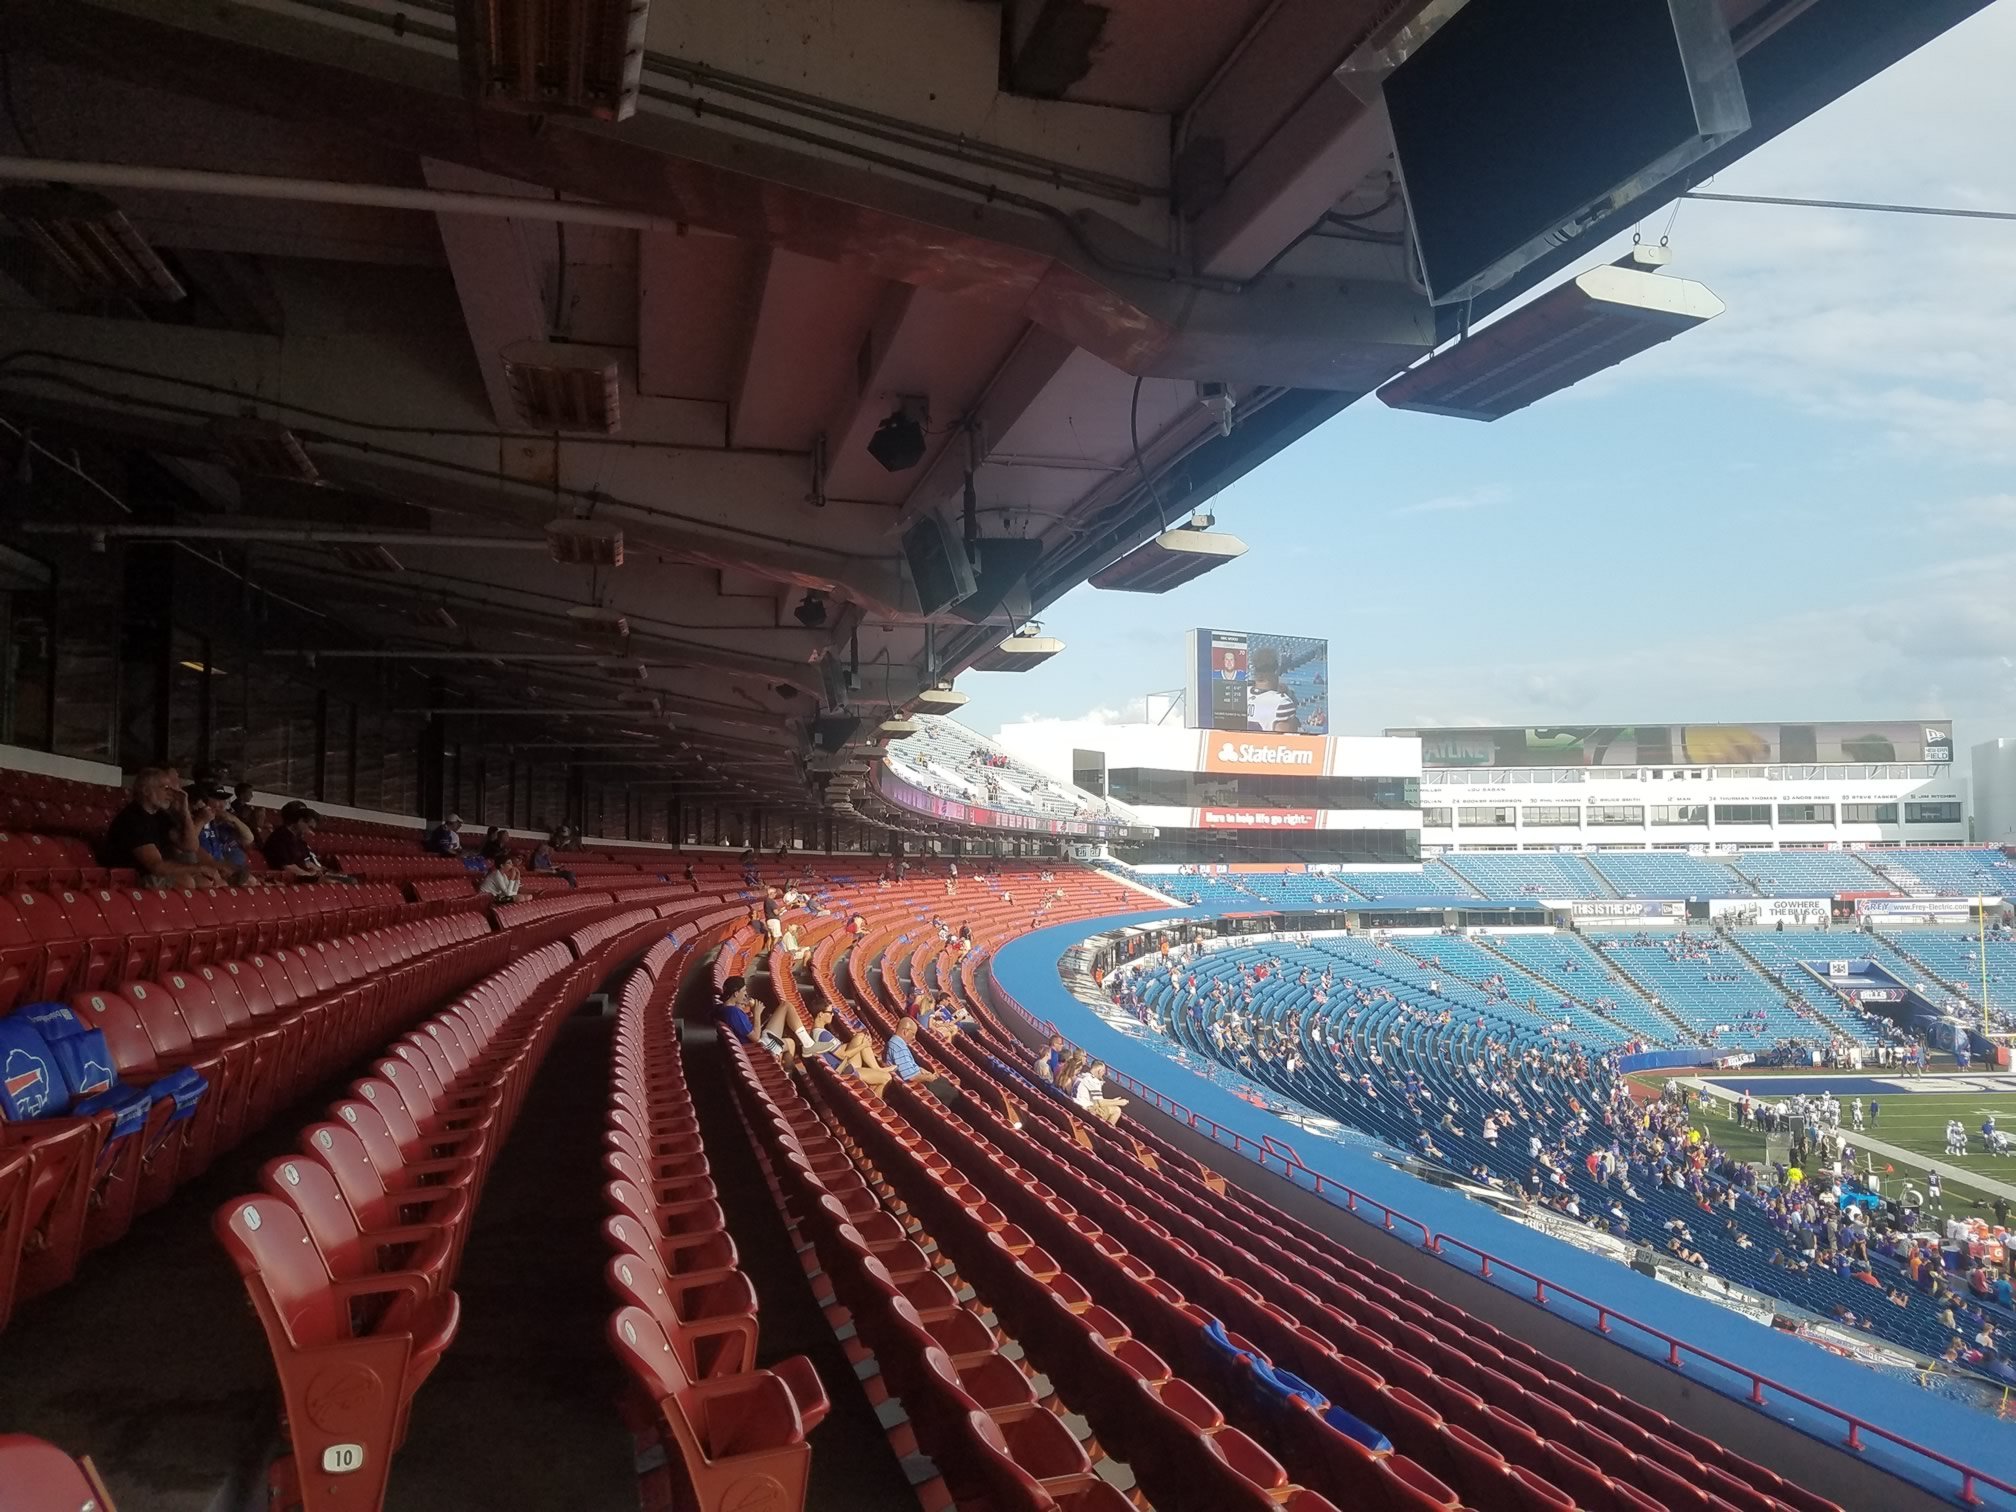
[[380, 1334], [39, 1477], [350, 1250]]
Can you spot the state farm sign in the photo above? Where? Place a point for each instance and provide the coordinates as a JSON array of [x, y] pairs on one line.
[[1265, 753]]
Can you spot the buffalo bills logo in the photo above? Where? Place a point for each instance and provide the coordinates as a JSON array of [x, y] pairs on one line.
[[93, 1079], [26, 1082]]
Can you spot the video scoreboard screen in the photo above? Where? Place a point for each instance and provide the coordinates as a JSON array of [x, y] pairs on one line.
[[1247, 680]]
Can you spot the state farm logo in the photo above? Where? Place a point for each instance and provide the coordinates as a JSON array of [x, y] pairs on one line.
[[1246, 754]]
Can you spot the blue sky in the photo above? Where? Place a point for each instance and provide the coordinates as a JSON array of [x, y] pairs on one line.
[[1805, 509]]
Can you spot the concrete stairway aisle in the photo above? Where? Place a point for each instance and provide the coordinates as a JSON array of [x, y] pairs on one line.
[[521, 1411]]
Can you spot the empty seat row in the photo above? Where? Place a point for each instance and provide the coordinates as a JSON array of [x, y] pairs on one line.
[[61, 941], [123, 1094], [707, 1423], [350, 1251]]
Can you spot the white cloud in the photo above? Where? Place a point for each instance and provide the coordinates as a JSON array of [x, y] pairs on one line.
[[1133, 711], [1475, 498]]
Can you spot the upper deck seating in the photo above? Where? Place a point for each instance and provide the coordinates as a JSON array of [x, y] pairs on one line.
[[1807, 873], [1540, 874], [1667, 874]]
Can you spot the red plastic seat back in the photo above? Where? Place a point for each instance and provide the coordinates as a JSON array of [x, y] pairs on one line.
[[270, 1245], [156, 1010], [309, 1187], [250, 989], [39, 1475], [349, 1165], [133, 1049], [641, 1344], [197, 1003], [280, 989], [225, 993], [376, 1136], [20, 956]]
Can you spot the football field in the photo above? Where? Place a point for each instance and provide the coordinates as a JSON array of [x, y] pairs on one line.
[[1911, 1120]]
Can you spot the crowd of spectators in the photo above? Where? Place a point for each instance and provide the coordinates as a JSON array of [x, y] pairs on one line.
[[1552, 1125], [201, 834], [204, 833]]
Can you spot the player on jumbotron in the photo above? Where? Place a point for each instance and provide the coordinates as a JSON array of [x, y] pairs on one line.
[[1269, 706]]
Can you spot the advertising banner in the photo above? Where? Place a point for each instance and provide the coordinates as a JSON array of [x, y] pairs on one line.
[[1916, 910], [1623, 910], [917, 800], [1256, 819], [1249, 680], [1265, 755], [1686, 745], [1807, 913]]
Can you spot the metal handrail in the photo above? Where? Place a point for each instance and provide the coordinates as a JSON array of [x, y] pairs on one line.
[[1678, 1348], [1762, 1387]]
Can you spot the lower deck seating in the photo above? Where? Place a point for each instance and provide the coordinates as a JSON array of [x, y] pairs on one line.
[[349, 1253], [1277, 1331], [187, 1064], [706, 1422]]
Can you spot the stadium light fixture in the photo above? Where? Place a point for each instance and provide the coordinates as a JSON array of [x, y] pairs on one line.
[[899, 728], [561, 386], [1027, 648], [553, 57], [942, 700], [1574, 330], [1171, 559], [583, 543], [89, 240], [609, 626]]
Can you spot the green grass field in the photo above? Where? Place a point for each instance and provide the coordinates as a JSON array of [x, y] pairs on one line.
[[1913, 1121]]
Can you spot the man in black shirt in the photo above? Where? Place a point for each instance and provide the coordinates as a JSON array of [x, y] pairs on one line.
[[156, 835], [290, 849]]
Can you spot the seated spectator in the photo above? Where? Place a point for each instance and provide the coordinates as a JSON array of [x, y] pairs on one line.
[[290, 849], [1090, 1094], [158, 836], [543, 862], [904, 1067], [692, 878], [502, 883], [738, 1011], [819, 1040], [244, 810], [496, 845], [794, 951], [220, 834], [732, 1008], [445, 839]]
